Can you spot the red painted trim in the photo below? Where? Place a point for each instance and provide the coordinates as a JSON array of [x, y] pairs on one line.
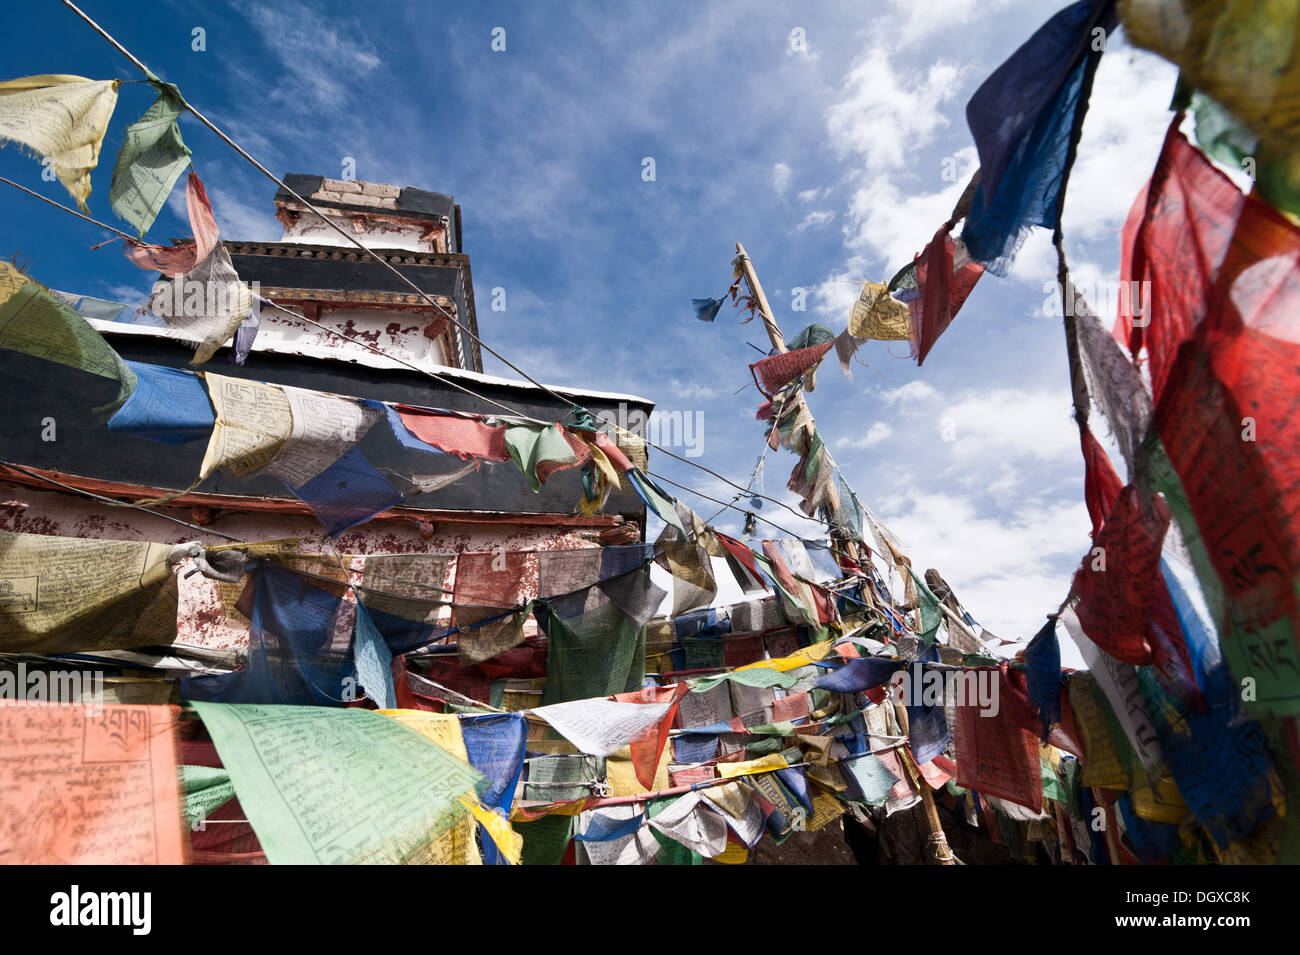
[[293, 507]]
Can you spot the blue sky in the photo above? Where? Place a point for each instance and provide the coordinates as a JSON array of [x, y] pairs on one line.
[[826, 161]]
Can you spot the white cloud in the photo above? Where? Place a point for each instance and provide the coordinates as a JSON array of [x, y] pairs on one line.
[[896, 226], [877, 433], [1128, 114], [780, 178], [916, 21], [321, 58], [242, 220], [1012, 424], [1008, 569], [810, 195], [684, 389], [908, 395], [815, 219], [886, 113]]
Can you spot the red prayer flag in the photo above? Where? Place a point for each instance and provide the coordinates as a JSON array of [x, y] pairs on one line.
[[941, 291], [1117, 578], [455, 434], [178, 259], [648, 748], [997, 757], [1177, 246], [1101, 485], [773, 373]]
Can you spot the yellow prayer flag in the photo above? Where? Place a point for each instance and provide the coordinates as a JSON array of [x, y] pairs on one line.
[[63, 119], [801, 658], [1240, 52], [764, 764]]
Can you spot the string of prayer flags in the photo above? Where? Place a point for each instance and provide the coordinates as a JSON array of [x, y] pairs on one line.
[[151, 159], [61, 118], [176, 260], [338, 786], [34, 323], [945, 276]]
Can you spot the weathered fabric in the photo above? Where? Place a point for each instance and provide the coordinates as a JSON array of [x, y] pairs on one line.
[[35, 324], [62, 118], [1240, 52], [773, 373], [338, 785], [151, 159], [540, 451], [944, 281], [1023, 118], [1115, 584], [875, 315], [176, 260], [1008, 103], [1043, 669], [996, 757], [694, 585], [595, 654], [206, 304], [1276, 175]]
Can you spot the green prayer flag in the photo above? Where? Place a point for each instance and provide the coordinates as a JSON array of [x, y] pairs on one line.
[[545, 839], [597, 653], [151, 159], [759, 677], [338, 786], [1276, 176], [206, 790], [928, 605], [531, 446], [36, 324]]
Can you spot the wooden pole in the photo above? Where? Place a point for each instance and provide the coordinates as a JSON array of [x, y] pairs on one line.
[[938, 838], [764, 310], [778, 343]]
